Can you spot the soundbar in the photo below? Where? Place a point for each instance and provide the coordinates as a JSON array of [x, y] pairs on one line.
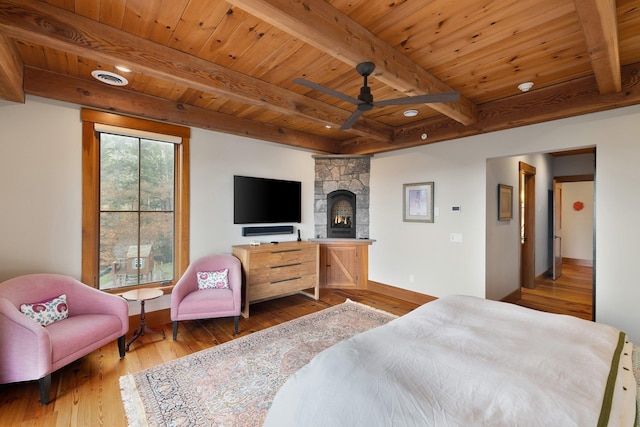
[[274, 229]]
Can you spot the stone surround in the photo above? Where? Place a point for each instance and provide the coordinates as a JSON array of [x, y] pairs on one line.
[[340, 172]]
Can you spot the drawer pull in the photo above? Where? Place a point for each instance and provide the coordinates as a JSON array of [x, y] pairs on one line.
[[285, 250], [286, 265], [286, 280]]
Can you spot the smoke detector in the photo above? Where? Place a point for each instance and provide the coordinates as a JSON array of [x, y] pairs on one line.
[[109, 78]]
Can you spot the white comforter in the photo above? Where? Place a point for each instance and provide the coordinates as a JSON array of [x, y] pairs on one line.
[[463, 361]]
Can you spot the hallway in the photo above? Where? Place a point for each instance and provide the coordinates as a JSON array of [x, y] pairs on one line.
[[571, 294]]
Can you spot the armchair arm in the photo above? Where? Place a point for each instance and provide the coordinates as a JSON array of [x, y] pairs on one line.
[[185, 285], [25, 346]]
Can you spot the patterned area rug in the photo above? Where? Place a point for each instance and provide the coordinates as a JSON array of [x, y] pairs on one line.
[[233, 384]]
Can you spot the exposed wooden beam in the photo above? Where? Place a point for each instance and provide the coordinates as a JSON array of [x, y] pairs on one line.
[[600, 28], [57, 28], [11, 70], [570, 99], [319, 24], [97, 95]]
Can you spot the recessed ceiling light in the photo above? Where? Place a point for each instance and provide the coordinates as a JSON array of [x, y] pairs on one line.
[[109, 78], [410, 113], [328, 126], [525, 87], [123, 68]]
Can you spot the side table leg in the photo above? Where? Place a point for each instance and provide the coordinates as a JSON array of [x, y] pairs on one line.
[[140, 331]]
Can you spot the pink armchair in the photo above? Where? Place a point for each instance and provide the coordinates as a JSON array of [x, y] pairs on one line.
[[189, 303], [30, 351]]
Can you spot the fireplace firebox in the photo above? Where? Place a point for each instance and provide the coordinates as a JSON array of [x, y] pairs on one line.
[[341, 214]]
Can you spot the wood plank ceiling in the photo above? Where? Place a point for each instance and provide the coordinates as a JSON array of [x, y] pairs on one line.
[[229, 66]]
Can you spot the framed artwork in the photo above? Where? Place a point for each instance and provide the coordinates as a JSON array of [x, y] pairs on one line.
[[505, 202], [418, 202]]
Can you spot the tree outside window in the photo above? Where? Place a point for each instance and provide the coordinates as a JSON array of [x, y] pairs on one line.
[[136, 211]]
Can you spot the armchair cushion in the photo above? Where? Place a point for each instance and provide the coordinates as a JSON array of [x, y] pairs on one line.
[[47, 312]]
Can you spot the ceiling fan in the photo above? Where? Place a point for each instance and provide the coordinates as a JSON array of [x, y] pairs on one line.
[[365, 100]]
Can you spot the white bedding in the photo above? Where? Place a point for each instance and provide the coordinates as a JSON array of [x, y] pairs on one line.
[[463, 361]]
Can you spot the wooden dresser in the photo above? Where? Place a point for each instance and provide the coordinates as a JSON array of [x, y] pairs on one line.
[[276, 270]]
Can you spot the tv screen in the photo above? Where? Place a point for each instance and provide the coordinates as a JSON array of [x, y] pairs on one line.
[[266, 201]]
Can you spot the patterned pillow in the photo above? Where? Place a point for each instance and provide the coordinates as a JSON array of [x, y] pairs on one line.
[[47, 312], [213, 279]]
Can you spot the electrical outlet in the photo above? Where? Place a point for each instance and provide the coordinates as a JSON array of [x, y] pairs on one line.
[[411, 278], [456, 237]]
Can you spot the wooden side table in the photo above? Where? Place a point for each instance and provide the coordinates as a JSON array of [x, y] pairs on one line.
[[142, 295]]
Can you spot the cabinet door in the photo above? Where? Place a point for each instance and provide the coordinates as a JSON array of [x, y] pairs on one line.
[[341, 266]]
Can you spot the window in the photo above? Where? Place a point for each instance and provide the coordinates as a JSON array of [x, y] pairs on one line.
[[135, 201]]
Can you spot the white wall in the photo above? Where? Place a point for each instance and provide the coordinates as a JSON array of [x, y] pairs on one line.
[[503, 242], [40, 199], [40, 188], [577, 226], [458, 169]]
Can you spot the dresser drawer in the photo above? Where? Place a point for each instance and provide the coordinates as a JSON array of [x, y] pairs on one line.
[[284, 287], [280, 273], [281, 257]]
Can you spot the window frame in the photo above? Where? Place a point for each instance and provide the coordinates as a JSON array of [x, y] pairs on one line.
[[91, 193]]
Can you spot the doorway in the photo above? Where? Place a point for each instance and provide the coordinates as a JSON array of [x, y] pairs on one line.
[[574, 226]]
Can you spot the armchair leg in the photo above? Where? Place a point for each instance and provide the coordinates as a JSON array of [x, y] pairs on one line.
[[44, 384], [175, 330], [236, 320], [121, 346]]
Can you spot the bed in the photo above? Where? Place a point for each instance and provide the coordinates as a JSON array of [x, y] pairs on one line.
[[467, 361]]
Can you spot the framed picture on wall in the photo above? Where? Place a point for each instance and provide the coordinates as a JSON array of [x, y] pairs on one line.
[[418, 202], [505, 202]]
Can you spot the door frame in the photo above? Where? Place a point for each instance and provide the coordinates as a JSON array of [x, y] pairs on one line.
[[527, 224]]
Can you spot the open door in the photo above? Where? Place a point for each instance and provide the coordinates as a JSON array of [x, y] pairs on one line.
[[557, 230]]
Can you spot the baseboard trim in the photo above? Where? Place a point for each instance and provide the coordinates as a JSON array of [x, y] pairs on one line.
[[577, 261], [403, 294], [513, 296]]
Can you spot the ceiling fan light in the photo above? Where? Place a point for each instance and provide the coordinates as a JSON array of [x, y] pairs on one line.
[[410, 113], [525, 87]]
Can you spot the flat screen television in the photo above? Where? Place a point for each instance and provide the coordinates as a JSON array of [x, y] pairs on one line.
[[266, 201]]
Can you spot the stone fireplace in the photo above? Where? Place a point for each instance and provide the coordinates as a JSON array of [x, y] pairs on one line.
[[341, 196]]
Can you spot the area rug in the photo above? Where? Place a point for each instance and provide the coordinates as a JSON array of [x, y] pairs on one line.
[[233, 384]]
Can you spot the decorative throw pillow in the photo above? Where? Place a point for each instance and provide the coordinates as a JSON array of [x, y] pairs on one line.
[[213, 279], [47, 312]]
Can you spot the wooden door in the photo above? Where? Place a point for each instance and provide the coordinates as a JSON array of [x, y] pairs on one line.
[[341, 266], [527, 203]]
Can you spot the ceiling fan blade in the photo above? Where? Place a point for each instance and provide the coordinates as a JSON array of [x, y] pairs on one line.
[[315, 86], [351, 120], [420, 99]]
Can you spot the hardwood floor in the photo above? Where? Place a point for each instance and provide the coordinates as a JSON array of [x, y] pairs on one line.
[[571, 294], [87, 392]]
